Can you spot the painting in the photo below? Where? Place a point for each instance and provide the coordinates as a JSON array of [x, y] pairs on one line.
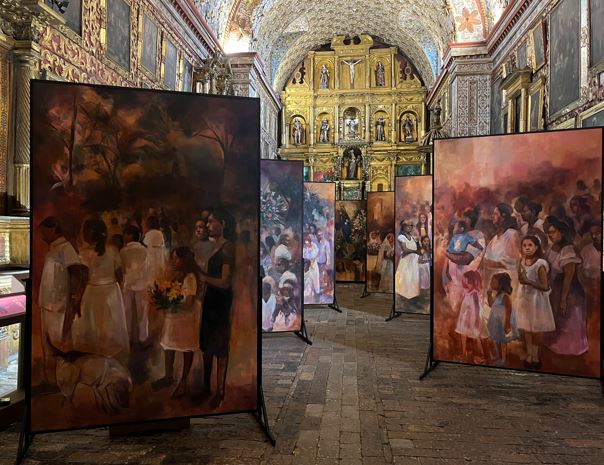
[[380, 242], [170, 65], [318, 243], [409, 170], [535, 110], [595, 120], [187, 76], [149, 45], [118, 32], [522, 56], [324, 175], [413, 246], [565, 55], [144, 255], [351, 240], [71, 11], [596, 15], [281, 194], [538, 46], [518, 251]]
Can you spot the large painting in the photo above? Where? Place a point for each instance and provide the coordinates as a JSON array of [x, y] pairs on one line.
[[281, 194], [149, 45], [413, 250], [565, 55], [118, 32], [518, 251], [380, 242], [144, 255], [596, 15], [71, 11], [351, 240], [170, 65], [318, 243]]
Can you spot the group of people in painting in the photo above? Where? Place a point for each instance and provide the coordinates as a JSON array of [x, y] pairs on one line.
[[412, 277], [280, 267], [95, 296], [318, 257], [524, 271]]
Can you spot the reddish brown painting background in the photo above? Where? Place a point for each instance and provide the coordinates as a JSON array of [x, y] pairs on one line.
[[176, 152], [482, 172]]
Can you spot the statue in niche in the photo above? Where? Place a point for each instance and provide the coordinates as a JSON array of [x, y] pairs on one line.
[[324, 133], [324, 84], [380, 75], [297, 130], [353, 126], [380, 133], [353, 165], [408, 125], [351, 64]]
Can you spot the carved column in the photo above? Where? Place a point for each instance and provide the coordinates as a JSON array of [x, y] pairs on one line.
[[471, 85]]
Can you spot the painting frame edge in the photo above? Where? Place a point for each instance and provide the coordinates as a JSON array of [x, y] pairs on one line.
[[28, 340]]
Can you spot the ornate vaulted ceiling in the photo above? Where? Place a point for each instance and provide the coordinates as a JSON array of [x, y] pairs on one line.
[[283, 31]]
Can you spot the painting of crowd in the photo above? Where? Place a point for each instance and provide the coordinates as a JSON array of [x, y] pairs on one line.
[[318, 243], [413, 252], [518, 251], [380, 242], [351, 240], [144, 251], [281, 269]]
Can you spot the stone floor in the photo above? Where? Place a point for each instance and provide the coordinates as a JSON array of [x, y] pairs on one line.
[[354, 398]]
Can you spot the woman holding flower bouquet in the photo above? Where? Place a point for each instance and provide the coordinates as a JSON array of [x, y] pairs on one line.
[[181, 300], [216, 318]]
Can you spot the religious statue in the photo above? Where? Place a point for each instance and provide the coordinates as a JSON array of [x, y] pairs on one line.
[[297, 130], [380, 133], [380, 75], [353, 125], [324, 77], [353, 164], [324, 134], [408, 126], [351, 64]]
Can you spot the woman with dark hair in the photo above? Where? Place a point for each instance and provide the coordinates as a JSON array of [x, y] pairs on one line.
[[581, 211], [181, 327], [216, 316], [533, 225], [101, 326], [503, 251], [407, 272], [567, 295]]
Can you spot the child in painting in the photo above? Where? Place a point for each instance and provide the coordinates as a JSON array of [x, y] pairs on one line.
[[268, 303], [425, 259], [501, 324], [181, 327], [286, 305], [462, 239], [468, 321], [533, 305]]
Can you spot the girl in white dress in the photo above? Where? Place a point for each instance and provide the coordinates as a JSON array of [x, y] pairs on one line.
[[101, 327], [156, 249], [469, 307], [407, 272], [386, 268], [533, 307]]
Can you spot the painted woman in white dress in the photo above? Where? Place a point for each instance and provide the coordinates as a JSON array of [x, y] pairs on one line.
[[101, 327], [407, 272], [156, 249], [386, 263]]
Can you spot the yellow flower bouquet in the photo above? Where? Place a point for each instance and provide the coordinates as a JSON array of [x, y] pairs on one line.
[[167, 296]]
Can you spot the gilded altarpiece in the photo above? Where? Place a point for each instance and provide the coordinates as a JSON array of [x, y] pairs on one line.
[[354, 112]]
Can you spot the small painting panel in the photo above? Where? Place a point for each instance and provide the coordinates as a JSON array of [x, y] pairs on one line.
[[187, 77], [319, 234], [413, 250], [517, 256], [170, 65], [118, 32], [351, 240], [380, 242], [522, 56], [281, 208], [595, 120], [149, 55], [565, 55], [409, 170], [535, 111], [538, 46], [71, 11]]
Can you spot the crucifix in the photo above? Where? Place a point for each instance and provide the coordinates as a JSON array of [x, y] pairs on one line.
[[351, 64]]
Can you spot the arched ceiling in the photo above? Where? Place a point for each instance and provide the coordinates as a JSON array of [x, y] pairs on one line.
[[284, 31]]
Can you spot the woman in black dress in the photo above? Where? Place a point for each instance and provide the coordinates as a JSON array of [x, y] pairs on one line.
[[216, 314]]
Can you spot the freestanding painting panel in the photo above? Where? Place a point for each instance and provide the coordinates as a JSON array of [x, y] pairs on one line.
[[318, 242], [413, 252], [281, 193], [137, 314], [350, 241], [380, 242], [519, 251]]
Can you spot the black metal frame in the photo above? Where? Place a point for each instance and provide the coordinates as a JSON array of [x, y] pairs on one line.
[[260, 412], [394, 313], [333, 305], [335, 271], [431, 362], [302, 333]]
